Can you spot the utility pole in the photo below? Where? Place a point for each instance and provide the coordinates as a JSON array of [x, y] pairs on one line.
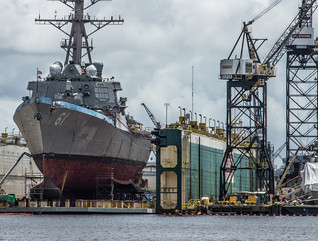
[[166, 105]]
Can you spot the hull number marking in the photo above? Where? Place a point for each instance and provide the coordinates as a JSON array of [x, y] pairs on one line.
[[59, 121]]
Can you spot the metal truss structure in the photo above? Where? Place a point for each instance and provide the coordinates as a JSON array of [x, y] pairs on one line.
[[301, 87], [246, 124]]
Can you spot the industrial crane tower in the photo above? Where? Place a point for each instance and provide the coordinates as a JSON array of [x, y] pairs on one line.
[[246, 123], [301, 83], [247, 98]]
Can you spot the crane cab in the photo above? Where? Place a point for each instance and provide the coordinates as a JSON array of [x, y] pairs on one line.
[[244, 69]]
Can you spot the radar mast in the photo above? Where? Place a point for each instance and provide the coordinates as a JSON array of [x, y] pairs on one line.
[[78, 37]]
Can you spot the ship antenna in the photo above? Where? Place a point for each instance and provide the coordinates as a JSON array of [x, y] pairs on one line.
[[37, 82], [78, 37]]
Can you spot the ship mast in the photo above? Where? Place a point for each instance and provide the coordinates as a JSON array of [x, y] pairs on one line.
[[78, 37]]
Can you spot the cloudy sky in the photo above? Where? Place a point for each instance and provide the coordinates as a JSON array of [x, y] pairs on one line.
[[152, 54]]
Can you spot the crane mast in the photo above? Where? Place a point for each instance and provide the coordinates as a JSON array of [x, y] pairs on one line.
[[301, 87], [298, 42]]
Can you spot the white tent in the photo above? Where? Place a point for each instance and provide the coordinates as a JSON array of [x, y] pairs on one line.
[[310, 177]]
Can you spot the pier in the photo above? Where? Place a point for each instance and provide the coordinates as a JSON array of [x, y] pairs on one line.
[[249, 210], [79, 207]]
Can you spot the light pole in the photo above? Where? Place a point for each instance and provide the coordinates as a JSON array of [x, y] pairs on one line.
[[166, 105]]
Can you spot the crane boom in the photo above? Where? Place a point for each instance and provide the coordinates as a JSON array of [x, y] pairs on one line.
[[151, 116], [276, 153], [279, 185], [279, 48], [264, 12]]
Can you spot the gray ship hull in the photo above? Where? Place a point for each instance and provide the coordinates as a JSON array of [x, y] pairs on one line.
[[73, 145]]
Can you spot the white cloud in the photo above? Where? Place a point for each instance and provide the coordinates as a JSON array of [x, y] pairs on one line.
[[151, 54]]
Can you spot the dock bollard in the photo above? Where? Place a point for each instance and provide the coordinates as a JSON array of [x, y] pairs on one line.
[[108, 204], [22, 203], [33, 204], [79, 203], [67, 203], [43, 203], [54, 203], [137, 205]]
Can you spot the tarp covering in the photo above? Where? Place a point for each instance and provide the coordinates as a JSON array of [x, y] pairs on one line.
[[310, 177]]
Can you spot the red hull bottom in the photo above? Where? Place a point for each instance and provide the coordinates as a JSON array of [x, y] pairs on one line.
[[83, 174]]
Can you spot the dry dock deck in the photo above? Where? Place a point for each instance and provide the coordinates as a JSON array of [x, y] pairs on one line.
[[253, 210], [77, 207], [247, 209], [76, 210]]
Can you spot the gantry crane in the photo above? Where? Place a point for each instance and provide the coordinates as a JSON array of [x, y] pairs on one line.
[[301, 79], [247, 97], [247, 103]]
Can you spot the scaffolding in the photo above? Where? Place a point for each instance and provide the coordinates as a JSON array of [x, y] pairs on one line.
[[105, 185]]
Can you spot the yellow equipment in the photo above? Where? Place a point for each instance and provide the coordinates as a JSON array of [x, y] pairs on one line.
[[251, 199], [279, 185]]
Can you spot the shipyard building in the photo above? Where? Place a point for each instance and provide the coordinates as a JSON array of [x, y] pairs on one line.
[[25, 173]]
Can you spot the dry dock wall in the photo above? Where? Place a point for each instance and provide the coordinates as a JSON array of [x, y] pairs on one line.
[[24, 175], [188, 167]]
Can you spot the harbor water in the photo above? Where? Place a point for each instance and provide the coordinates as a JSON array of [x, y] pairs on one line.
[[156, 227]]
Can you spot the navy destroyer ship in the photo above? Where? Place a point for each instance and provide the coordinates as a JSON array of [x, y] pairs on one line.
[[74, 123]]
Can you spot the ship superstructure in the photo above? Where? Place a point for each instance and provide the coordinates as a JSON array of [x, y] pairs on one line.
[[74, 123]]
